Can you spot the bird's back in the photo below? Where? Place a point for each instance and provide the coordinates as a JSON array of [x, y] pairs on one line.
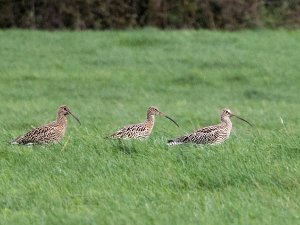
[[214, 134], [49, 133], [135, 131]]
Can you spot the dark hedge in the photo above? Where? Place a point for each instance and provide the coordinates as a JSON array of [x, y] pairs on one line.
[[119, 14]]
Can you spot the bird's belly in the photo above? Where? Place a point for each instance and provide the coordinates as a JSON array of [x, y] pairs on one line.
[[222, 137]]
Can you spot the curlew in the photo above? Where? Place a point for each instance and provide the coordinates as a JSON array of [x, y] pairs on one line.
[[214, 134], [49, 133], [140, 130]]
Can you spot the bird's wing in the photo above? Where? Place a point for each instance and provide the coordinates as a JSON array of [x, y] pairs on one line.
[[206, 135], [35, 135], [126, 131], [208, 129]]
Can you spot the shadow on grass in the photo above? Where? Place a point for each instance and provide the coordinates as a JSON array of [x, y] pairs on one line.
[[192, 80], [123, 146], [142, 41]]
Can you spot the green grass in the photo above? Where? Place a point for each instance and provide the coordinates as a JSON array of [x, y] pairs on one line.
[[109, 79]]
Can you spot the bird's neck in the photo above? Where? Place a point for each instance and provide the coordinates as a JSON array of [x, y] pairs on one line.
[[150, 119], [61, 119], [226, 122]]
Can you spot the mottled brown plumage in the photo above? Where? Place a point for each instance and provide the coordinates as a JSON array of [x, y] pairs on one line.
[[50, 133], [215, 134], [140, 130]]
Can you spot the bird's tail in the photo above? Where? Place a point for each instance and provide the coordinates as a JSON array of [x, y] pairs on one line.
[[178, 141], [16, 141], [13, 142], [111, 136]]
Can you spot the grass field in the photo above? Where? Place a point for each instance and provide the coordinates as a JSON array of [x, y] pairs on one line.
[[108, 79]]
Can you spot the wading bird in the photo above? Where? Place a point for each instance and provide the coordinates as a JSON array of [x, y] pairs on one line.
[[141, 130], [215, 134], [49, 133]]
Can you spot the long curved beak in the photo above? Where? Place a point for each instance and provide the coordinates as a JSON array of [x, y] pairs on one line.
[[242, 119], [75, 117], [169, 118]]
